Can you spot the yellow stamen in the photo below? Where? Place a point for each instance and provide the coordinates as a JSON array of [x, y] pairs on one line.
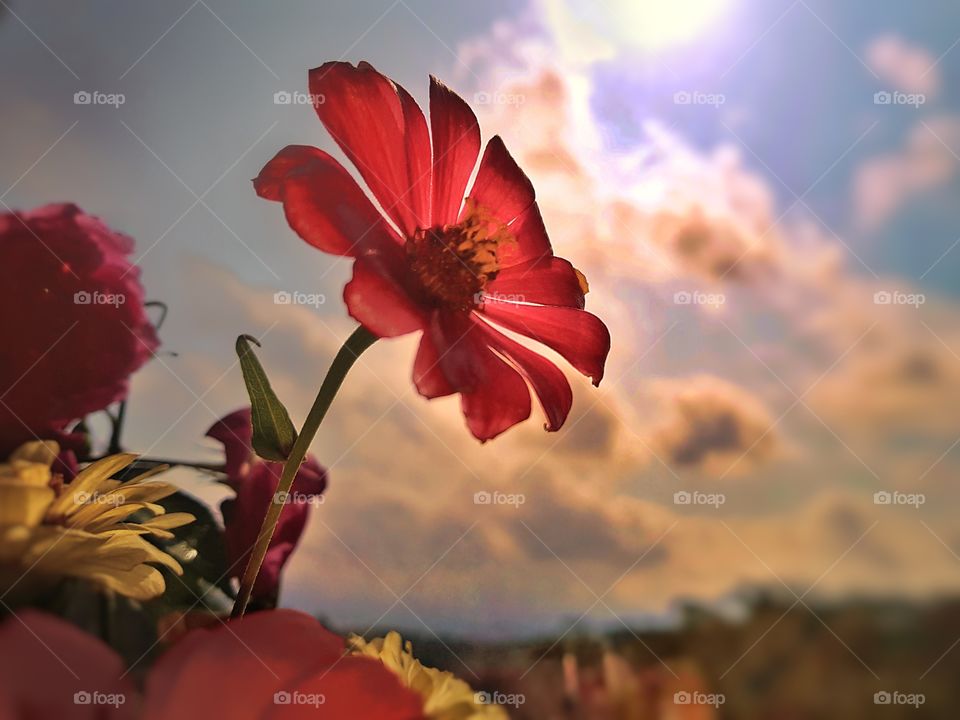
[[454, 263]]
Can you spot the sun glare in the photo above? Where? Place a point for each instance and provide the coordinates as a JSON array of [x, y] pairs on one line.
[[656, 24]]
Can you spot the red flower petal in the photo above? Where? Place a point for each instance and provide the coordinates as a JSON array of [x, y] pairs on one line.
[[545, 281], [427, 373], [384, 134], [379, 302], [531, 236], [235, 432], [501, 186], [255, 482], [243, 517], [46, 664], [355, 688], [493, 396], [234, 671], [547, 380], [419, 157], [323, 203], [456, 146], [580, 337]]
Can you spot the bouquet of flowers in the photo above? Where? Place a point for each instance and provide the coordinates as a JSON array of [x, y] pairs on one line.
[[124, 596]]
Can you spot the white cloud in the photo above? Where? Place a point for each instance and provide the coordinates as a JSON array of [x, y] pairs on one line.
[[885, 183], [906, 67]]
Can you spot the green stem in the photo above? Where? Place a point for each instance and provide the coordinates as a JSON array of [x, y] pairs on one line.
[[359, 341]]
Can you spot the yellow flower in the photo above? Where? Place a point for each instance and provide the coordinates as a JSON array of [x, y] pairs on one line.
[[445, 696], [83, 529]]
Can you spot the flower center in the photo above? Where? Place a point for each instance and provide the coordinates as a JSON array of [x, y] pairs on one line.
[[454, 263]]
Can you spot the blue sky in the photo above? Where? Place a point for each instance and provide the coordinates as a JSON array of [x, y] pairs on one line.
[[794, 75]]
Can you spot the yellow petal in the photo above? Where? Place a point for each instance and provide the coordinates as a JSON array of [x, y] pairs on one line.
[[169, 521], [159, 526], [137, 492], [24, 504], [22, 472], [87, 481], [141, 582], [42, 452], [130, 549], [97, 516], [13, 543]]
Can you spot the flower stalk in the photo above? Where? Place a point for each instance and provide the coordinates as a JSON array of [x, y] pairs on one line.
[[359, 341]]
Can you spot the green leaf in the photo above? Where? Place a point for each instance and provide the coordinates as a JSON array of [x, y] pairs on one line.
[[273, 433]]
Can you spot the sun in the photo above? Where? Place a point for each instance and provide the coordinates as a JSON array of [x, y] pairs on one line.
[[659, 24]]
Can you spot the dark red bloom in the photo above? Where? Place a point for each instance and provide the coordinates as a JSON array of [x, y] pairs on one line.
[[51, 669], [255, 483], [275, 664], [74, 328], [456, 268]]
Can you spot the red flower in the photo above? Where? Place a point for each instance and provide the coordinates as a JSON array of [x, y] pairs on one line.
[[51, 669], [276, 664], [74, 328], [435, 262], [255, 483], [279, 664]]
